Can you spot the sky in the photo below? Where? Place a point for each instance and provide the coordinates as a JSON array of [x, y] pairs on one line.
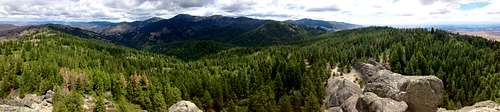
[[364, 12]]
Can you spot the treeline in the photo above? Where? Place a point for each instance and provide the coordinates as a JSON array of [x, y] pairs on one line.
[[276, 78]]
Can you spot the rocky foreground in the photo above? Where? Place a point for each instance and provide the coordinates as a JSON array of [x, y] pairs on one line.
[[43, 103], [30, 103], [372, 87]]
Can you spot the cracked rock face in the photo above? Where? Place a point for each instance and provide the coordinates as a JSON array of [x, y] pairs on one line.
[[384, 91], [370, 102], [350, 104], [423, 93], [340, 89]]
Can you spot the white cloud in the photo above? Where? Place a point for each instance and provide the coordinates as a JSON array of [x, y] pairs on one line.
[[368, 12]]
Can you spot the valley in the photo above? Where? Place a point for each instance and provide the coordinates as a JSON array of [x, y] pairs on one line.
[[493, 35], [489, 31]]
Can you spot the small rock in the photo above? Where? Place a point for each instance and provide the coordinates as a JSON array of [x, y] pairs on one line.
[[334, 109], [48, 95], [184, 106], [45, 104], [49, 100]]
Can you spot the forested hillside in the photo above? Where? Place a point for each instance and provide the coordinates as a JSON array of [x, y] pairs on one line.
[[194, 32], [288, 77]]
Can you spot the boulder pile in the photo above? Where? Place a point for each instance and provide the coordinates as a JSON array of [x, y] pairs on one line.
[[30, 103], [372, 87]]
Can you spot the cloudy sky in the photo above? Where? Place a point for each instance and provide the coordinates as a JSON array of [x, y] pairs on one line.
[[366, 12]]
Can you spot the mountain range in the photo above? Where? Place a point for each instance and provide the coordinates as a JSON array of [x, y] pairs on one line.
[[234, 30], [181, 31]]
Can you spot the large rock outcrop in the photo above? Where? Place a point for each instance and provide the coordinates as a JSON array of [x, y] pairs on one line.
[[421, 93], [184, 106], [383, 90]]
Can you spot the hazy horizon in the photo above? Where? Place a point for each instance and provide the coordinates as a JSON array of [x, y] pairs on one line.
[[363, 12], [28, 22]]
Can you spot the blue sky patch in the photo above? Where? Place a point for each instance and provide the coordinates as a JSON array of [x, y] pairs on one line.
[[473, 5]]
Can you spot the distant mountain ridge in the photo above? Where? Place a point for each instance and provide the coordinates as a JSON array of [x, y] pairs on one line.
[[183, 27], [328, 25], [4, 27], [16, 32], [99, 26]]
